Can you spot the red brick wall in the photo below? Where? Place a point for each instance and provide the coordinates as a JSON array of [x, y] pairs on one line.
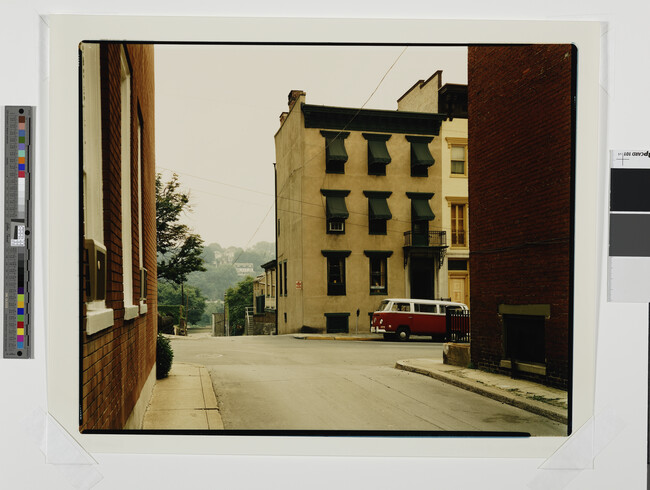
[[117, 361], [520, 127]]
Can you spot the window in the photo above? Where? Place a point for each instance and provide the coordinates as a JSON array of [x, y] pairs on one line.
[[98, 316], [130, 310], [401, 307], [278, 226], [280, 278], [457, 265], [458, 225], [421, 158], [427, 308], [458, 159], [337, 322], [378, 266], [458, 153], [378, 275], [140, 169], [335, 154], [378, 156], [285, 278], [378, 212], [335, 271], [421, 214], [336, 212]]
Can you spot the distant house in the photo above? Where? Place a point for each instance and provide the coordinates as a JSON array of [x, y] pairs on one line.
[[264, 289], [244, 268], [119, 317], [223, 257], [520, 196]]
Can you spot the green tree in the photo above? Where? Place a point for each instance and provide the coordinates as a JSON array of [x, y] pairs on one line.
[[179, 250], [169, 299], [238, 298]]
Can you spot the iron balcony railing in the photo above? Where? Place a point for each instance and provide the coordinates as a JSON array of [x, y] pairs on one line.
[[428, 239]]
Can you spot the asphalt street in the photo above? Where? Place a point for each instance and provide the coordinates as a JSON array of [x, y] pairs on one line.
[[284, 383]]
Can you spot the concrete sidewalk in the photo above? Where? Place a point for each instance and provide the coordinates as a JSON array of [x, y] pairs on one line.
[[183, 400], [532, 397]]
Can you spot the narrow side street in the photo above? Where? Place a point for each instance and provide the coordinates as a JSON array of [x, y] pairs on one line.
[[285, 383]]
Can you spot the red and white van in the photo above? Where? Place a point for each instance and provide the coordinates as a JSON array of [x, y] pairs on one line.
[[400, 318]]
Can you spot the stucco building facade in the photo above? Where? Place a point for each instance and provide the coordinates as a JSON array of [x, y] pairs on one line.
[[118, 327], [359, 212], [451, 99]]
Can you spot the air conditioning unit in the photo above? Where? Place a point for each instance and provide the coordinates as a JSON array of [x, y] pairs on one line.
[[336, 226], [143, 283], [96, 279]]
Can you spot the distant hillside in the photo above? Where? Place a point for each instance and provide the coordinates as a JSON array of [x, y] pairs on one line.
[[221, 272]]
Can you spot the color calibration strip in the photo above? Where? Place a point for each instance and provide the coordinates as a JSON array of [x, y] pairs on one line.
[[19, 164], [629, 226]]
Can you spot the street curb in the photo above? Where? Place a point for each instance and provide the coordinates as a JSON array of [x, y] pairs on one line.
[[532, 406], [331, 337]]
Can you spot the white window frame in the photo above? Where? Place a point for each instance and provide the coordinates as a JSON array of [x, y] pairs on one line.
[[455, 141], [130, 310], [98, 316], [143, 301]]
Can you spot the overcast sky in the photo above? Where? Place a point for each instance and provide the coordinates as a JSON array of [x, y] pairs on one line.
[[218, 108]]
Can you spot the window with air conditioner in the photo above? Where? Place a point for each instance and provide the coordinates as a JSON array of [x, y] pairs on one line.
[[336, 226]]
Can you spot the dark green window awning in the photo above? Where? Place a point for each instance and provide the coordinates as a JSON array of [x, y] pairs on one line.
[[377, 151], [377, 205], [335, 203], [420, 154], [421, 211], [336, 207], [335, 146], [379, 208]]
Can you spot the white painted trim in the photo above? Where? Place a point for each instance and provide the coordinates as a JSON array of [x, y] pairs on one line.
[[97, 320], [127, 238], [131, 312]]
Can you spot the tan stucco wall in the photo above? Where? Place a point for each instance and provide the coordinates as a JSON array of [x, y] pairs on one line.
[[423, 97], [302, 241], [289, 148]]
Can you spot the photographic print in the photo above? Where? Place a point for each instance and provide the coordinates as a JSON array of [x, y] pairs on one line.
[[327, 239]]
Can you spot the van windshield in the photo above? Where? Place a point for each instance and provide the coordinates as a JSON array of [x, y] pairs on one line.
[[384, 306]]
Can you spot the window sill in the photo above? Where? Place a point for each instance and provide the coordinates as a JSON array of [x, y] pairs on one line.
[[131, 312], [526, 367], [98, 320], [143, 307]]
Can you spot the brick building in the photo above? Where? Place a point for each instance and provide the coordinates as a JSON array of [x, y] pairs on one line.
[[118, 327], [521, 128]]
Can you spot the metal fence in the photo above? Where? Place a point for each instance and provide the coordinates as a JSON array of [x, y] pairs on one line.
[[458, 326]]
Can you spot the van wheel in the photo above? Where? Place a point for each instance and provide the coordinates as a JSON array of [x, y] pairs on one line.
[[403, 334]]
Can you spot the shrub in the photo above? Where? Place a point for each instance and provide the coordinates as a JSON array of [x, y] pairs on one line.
[[165, 324], [164, 356]]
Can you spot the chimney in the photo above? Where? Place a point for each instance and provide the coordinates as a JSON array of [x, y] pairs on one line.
[[294, 95]]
